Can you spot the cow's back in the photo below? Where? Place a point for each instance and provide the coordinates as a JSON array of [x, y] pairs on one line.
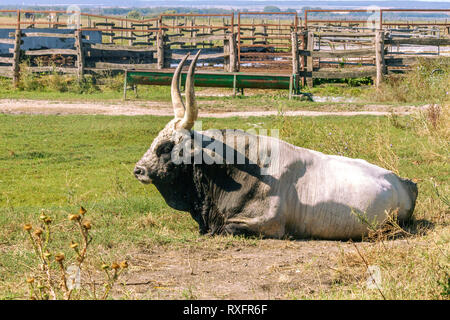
[[335, 197]]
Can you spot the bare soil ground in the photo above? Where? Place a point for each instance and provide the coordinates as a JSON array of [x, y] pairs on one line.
[[266, 269], [14, 106]]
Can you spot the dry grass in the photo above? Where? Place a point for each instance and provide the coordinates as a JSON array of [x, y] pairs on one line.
[[427, 82], [57, 272]]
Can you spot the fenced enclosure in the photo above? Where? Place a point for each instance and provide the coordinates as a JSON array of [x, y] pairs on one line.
[[265, 44], [349, 44]]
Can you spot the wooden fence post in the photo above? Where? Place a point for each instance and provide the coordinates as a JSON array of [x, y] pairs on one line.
[[80, 53], [233, 62], [252, 32], [16, 58], [160, 49], [379, 56], [309, 59], [209, 30], [194, 33], [125, 85], [295, 64], [264, 32], [294, 43], [302, 58], [227, 54], [130, 33]]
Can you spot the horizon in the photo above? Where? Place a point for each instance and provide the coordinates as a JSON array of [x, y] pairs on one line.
[[229, 4]]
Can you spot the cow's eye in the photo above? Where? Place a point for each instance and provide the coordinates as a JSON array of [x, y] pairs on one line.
[[165, 147]]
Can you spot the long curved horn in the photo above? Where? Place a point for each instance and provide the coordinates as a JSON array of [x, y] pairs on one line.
[[177, 102], [191, 113]]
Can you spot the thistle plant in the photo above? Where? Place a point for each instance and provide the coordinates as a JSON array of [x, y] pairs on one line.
[[46, 284]]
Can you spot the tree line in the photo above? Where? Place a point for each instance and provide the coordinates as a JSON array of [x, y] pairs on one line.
[[149, 12]]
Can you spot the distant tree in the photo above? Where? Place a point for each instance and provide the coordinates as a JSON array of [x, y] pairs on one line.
[[271, 9], [134, 14]]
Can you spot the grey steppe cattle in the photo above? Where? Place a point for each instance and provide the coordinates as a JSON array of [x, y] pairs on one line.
[[288, 192]]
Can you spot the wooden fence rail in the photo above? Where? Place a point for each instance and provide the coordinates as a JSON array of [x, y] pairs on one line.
[[269, 46]]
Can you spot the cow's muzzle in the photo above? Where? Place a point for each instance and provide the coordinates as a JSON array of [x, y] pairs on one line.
[[142, 175]]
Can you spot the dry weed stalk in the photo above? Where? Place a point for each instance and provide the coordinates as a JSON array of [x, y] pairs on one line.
[[389, 229], [434, 115], [43, 285], [385, 152], [368, 270]]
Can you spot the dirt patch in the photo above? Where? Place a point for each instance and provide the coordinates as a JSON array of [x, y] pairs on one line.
[[265, 271], [12, 106], [268, 269]]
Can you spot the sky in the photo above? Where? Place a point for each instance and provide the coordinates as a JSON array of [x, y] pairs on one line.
[[128, 3]]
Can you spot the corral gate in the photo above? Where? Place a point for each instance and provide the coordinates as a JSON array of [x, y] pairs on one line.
[[265, 46]]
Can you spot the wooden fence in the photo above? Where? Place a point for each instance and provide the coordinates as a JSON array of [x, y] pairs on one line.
[[278, 43], [265, 44], [337, 55]]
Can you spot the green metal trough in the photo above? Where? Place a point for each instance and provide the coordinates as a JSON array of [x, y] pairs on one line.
[[236, 80]]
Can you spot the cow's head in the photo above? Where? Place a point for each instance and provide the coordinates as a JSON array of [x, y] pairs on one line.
[[157, 165]]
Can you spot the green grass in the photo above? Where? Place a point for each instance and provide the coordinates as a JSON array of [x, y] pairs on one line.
[[66, 88], [58, 163], [110, 90], [427, 83]]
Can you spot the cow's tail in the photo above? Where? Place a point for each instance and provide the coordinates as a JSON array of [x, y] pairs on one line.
[[411, 188]]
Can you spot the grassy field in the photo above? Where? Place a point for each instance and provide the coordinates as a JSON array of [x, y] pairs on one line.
[[426, 83], [58, 163], [55, 164]]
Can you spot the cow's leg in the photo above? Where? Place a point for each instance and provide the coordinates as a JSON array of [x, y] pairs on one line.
[[239, 228], [271, 224], [272, 228]]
